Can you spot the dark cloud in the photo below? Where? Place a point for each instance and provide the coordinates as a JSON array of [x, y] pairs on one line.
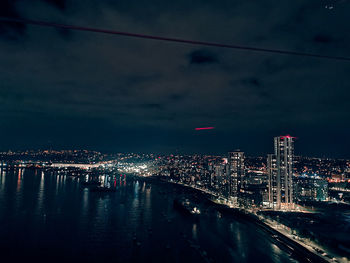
[[152, 106], [10, 31], [323, 39], [65, 33], [177, 97], [202, 57], [132, 94], [7, 8], [252, 81], [61, 4]]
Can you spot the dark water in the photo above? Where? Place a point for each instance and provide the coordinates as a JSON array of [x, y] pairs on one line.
[[46, 217]]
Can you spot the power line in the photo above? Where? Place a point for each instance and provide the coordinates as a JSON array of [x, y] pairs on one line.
[[169, 39]]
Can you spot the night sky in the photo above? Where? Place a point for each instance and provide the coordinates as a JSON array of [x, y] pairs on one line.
[[68, 89]]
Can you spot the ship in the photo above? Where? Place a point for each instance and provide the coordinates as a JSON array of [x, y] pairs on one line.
[[186, 207]]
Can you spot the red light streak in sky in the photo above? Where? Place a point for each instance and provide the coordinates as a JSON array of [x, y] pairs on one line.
[[205, 128]]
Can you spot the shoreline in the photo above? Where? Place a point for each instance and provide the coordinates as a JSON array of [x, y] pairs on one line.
[[298, 250]]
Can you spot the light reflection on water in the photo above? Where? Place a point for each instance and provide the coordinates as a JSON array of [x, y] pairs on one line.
[[194, 231], [50, 212]]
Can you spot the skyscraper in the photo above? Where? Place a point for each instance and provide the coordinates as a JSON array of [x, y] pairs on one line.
[[280, 173], [272, 182], [236, 173]]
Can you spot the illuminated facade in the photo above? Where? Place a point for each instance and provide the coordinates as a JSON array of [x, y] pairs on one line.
[[272, 180], [236, 173], [280, 173], [311, 189]]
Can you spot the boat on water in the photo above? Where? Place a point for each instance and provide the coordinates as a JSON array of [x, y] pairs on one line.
[[186, 207]]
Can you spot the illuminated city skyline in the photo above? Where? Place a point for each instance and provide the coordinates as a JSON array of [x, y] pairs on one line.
[[174, 131]]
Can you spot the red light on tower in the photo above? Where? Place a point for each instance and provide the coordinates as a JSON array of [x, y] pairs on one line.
[[288, 137]]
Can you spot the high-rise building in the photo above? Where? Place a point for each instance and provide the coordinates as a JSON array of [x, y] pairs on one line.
[[272, 180], [236, 173], [280, 173], [220, 178]]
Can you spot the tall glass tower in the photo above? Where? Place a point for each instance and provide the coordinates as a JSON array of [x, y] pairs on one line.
[[272, 182], [236, 173], [280, 172]]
